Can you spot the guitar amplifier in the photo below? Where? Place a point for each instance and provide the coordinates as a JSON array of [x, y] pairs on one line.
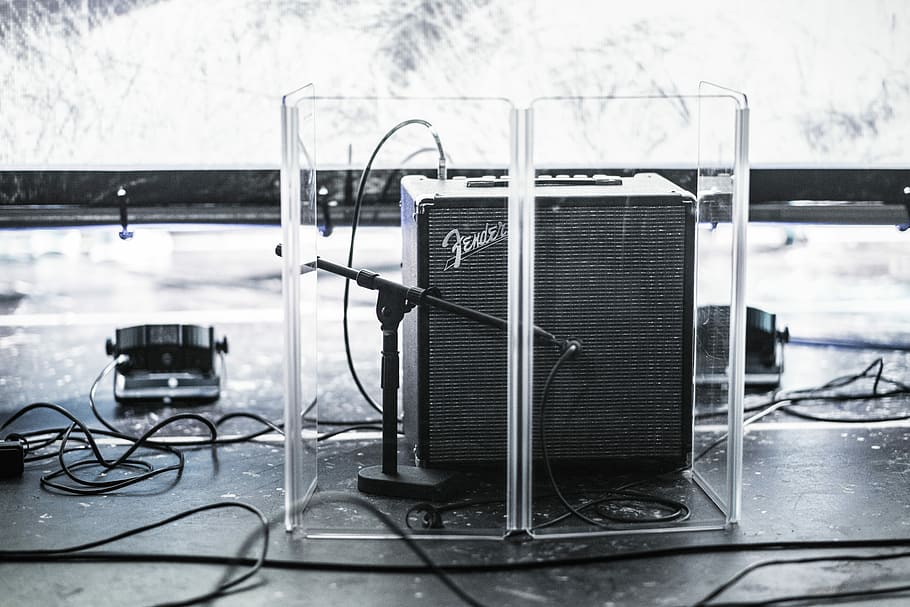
[[614, 268]]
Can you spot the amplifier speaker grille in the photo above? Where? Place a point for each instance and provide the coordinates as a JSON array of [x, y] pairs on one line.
[[615, 274]]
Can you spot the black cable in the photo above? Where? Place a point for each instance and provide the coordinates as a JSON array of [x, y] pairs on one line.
[[785, 405], [849, 344], [35, 446], [270, 426], [738, 576], [16, 556], [432, 514], [336, 496], [141, 470], [121, 434], [335, 433], [38, 458], [575, 560], [83, 486], [820, 597], [837, 382], [676, 509], [214, 439], [355, 221], [350, 424], [847, 420], [334, 422], [342, 422], [60, 554], [568, 353], [786, 401], [102, 487]]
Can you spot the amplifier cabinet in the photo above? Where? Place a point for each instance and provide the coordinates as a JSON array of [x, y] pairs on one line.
[[614, 268]]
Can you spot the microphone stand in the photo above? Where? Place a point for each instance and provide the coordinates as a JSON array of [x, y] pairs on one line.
[[389, 478], [393, 302]]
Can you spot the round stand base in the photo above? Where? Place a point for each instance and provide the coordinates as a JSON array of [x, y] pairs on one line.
[[408, 482]]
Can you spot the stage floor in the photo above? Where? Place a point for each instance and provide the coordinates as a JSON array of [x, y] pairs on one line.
[[803, 481], [810, 483]]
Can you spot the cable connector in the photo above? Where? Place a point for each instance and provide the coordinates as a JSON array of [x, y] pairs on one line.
[[573, 346], [441, 172], [12, 458], [430, 517]]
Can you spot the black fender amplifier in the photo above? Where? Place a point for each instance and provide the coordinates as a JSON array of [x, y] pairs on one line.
[[614, 268]]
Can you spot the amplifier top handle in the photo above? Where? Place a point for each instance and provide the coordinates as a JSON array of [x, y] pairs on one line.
[[546, 180]]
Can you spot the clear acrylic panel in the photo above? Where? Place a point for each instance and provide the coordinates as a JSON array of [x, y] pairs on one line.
[[473, 130], [299, 280], [722, 189], [616, 272], [447, 235]]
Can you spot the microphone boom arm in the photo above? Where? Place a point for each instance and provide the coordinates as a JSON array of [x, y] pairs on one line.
[[415, 296]]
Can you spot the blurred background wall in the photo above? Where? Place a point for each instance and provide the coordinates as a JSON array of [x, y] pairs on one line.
[[152, 83]]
